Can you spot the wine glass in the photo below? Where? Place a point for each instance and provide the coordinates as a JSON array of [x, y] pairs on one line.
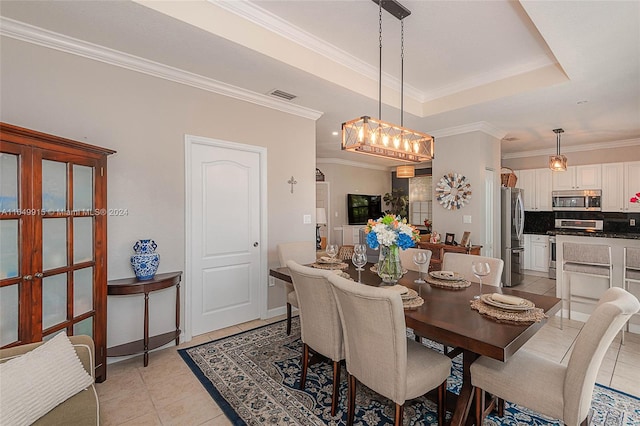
[[359, 260], [332, 251], [419, 258], [360, 249], [480, 269]]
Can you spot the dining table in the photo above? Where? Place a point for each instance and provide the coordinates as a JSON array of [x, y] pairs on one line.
[[446, 317]]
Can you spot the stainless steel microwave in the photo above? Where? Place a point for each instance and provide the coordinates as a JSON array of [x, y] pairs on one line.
[[584, 200]]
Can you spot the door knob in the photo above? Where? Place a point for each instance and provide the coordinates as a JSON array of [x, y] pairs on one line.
[[38, 274], [255, 244], [27, 278]]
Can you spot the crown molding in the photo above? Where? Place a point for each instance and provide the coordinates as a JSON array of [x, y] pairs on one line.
[[31, 34], [267, 20], [480, 126], [574, 148], [350, 163]]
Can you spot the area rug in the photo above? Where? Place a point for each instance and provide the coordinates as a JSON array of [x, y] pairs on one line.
[[254, 377]]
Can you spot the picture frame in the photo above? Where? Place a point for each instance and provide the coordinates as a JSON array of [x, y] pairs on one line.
[[465, 238], [449, 239]]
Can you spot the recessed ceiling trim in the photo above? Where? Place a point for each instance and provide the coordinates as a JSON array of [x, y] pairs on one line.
[[31, 34], [574, 148], [342, 162], [480, 126]]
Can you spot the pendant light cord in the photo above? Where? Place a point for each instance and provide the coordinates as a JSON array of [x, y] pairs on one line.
[[402, 72], [380, 62]]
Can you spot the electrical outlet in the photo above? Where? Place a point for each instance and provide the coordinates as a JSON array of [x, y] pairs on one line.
[[272, 281], [632, 222], [306, 219], [466, 218]]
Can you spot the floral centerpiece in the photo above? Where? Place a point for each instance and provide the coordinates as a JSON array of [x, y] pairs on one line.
[[390, 233], [635, 199]]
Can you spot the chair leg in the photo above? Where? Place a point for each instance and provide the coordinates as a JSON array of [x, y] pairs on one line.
[[479, 406], [336, 387], [351, 400], [500, 407], [399, 414], [305, 365], [288, 319], [442, 402]]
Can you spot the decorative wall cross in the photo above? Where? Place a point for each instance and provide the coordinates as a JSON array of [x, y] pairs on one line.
[[292, 182]]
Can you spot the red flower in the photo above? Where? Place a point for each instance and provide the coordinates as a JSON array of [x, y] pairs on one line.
[[634, 199], [638, 194]]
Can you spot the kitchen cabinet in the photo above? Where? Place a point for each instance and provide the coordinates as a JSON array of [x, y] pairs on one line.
[[53, 252], [536, 184], [540, 253], [620, 182], [578, 177], [527, 251]]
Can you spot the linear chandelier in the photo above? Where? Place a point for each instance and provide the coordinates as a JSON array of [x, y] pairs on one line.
[[558, 162], [379, 138]]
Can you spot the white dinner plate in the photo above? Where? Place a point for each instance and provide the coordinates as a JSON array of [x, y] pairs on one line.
[[443, 275], [524, 306]]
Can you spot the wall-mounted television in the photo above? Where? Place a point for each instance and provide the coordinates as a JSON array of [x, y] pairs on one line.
[[361, 208]]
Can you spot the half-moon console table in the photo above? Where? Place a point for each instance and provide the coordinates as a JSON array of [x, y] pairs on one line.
[[127, 286]]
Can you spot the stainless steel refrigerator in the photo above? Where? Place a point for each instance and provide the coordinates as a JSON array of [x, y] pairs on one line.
[[512, 240]]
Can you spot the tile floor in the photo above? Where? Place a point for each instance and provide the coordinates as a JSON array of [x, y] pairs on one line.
[[167, 393]]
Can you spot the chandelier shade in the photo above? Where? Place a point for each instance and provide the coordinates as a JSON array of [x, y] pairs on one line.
[[405, 172], [368, 135], [558, 162]]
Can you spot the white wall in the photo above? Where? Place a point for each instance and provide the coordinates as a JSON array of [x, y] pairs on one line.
[[470, 154], [145, 120]]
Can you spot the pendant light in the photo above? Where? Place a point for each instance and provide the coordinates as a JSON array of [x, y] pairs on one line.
[[379, 138], [558, 162], [405, 171]]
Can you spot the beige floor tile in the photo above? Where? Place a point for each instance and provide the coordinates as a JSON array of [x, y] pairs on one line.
[[252, 324], [164, 388], [195, 341], [224, 332], [150, 419], [626, 378], [194, 409], [221, 420], [124, 407], [120, 382]]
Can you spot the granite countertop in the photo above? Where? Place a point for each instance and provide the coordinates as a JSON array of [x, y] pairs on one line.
[[600, 234]]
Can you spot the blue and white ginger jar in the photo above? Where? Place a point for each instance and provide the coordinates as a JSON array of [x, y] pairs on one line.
[[146, 261]]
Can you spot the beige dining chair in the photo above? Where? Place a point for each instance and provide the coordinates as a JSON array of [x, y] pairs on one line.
[[303, 252], [378, 353], [406, 259], [320, 327], [631, 276], [560, 391], [463, 263]]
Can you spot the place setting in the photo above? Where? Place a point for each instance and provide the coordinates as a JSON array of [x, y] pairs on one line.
[[330, 261], [410, 297], [447, 279]]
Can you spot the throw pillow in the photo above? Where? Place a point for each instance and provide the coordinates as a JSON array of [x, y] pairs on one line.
[[33, 384]]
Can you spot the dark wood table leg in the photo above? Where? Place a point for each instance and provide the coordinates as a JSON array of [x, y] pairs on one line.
[[466, 393], [146, 329], [178, 314]]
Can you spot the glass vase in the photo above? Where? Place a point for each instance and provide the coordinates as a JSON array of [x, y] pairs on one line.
[[389, 267]]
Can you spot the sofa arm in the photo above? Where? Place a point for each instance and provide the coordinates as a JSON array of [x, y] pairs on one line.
[[83, 345]]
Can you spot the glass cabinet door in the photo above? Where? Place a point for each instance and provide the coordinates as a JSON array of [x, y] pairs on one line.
[[15, 292], [66, 223]]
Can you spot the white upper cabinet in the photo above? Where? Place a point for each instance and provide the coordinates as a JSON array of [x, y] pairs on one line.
[[613, 187], [631, 185], [536, 184], [578, 177]]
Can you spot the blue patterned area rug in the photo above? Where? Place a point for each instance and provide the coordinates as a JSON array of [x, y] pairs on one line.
[[254, 377]]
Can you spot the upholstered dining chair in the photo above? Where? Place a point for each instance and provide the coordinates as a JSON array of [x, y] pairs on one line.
[[560, 391], [463, 263], [303, 252], [406, 259], [378, 353], [321, 330]]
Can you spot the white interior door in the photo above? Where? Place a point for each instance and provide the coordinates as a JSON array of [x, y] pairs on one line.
[[224, 256]]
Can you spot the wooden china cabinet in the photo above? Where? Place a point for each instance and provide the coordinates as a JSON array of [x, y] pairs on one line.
[[53, 250]]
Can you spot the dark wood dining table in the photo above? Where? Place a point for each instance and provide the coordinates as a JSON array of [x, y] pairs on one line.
[[446, 317]]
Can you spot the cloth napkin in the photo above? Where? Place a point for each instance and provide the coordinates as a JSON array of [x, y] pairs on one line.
[[447, 274], [509, 300], [327, 259]]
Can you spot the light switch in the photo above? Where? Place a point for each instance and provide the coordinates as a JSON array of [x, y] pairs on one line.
[[306, 219], [466, 218]]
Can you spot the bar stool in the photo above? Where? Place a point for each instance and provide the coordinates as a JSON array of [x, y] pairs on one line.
[[592, 260], [631, 274]]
